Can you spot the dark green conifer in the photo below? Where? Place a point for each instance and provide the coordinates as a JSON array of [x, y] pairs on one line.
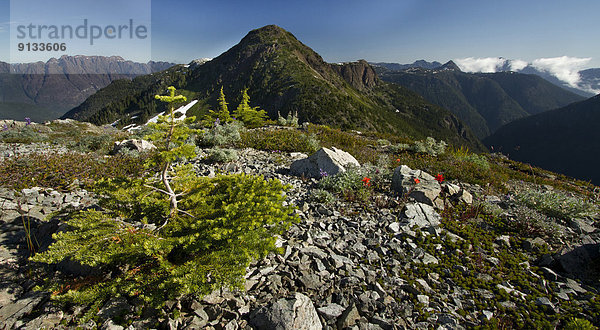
[[251, 117]]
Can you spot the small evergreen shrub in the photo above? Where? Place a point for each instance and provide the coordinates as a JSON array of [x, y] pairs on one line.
[[232, 220], [220, 116], [252, 117], [220, 155], [221, 135], [94, 143]]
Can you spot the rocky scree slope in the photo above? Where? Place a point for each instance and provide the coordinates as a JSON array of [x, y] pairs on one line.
[[387, 263]]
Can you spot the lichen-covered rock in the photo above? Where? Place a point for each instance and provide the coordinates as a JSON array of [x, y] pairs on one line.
[[331, 161], [295, 313]]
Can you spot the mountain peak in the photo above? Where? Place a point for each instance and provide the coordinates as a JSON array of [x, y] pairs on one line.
[[268, 33], [450, 65], [270, 29]]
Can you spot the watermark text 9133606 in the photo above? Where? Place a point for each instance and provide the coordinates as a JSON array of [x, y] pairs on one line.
[[41, 47]]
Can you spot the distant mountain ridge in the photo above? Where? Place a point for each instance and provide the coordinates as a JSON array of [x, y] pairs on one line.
[[46, 90], [564, 140], [587, 86], [484, 101], [81, 64], [283, 75], [417, 64]]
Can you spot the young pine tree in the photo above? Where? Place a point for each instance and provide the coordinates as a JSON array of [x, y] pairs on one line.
[[171, 232], [251, 117], [221, 116]]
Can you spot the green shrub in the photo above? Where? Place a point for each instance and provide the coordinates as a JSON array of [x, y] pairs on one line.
[[222, 116], [282, 140], [428, 146], [322, 196], [220, 155], [356, 183], [252, 117], [556, 204], [232, 220], [343, 181], [400, 147], [94, 143], [221, 135], [456, 169], [463, 154]]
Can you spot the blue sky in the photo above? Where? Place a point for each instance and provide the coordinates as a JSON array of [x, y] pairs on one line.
[[388, 30]]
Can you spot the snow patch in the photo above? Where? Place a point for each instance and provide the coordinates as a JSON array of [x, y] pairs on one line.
[[182, 110]]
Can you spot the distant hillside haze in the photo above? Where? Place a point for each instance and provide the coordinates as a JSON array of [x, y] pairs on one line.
[[45, 91], [282, 76], [564, 140], [484, 101]]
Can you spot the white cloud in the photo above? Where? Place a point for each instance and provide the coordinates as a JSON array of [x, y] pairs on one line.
[[487, 64], [588, 88], [517, 65], [564, 68]]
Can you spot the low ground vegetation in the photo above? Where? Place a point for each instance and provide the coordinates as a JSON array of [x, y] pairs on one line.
[[164, 232]]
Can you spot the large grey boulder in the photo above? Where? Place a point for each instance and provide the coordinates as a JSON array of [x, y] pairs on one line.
[[135, 145], [295, 313], [426, 191], [332, 161], [421, 215]]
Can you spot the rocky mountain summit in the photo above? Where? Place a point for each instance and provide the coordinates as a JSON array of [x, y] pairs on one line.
[[419, 252]]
